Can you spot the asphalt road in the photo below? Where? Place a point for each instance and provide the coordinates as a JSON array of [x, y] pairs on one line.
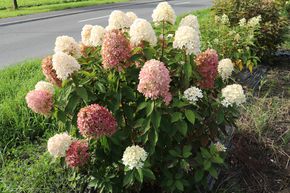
[[35, 39]]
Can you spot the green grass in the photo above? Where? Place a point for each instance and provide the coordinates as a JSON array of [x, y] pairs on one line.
[[27, 7]]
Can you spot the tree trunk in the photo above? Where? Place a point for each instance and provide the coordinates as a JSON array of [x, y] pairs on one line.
[[15, 5]]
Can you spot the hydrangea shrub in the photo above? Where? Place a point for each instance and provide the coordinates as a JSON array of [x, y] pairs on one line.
[[143, 110]]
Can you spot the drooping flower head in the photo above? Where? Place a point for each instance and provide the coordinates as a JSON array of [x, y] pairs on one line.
[[141, 30], [164, 12], [86, 34], [134, 157], [43, 85], [207, 63], [58, 144], [154, 80], [118, 20], [77, 154], [95, 121], [67, 45], [132, 16], [49, 72], [97, 35], [233, 94], [225, 68], [192, 94], [115, 50], [40, 101], [190, 21], [187, 38], [64, 65]]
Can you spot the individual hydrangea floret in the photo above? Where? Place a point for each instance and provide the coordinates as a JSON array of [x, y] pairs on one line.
[[115, 50], [40, 101], [225, 68], [233, 94], [97, 35], [164, 13], [49, 72], [118, 20], [86, 34], [95, 121], [77, 155], [64, 65], [193, 94], [141, 30], [43, 85], [132, 16], [188, 39], [134, 157], [190, 21], [220, 147], [58, 144], [154, 81], [207, 63], [67, 45]]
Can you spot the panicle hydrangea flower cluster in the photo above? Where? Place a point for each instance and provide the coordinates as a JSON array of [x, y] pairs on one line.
[[207, 63], [141, 30], [97, 35], [220, 147], [43, 85], [225, 68], [95, 121], [134, 157], [67, 45], [225, 19], [242, 22], [40, 101], [254, 21], [64, 65], [191, 21], [118, 20], [77, 154], [233, 94], [192, 94], [86, 34], [164, 12], [154, 81], [58, 144], [115, 50], [132, 16], [49, 72], [187, 38]]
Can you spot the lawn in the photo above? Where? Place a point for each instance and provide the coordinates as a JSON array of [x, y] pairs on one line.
[[27, 7]]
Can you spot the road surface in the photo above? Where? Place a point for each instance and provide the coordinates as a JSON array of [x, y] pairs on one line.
[[35, 39]]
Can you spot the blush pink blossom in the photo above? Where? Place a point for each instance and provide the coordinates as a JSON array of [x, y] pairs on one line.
[[115, 50], [40, 101], [77, 154], [154, 81], [207, 63], [95, 121], [49, 72]]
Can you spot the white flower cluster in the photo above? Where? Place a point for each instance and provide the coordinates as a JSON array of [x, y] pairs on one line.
[[191, 21], [64, 65], [187, 38], [242, 22], [225, 68], [220, 147], [233, 94], [58, 144], [254, 21], [225, 19], [86, 34], [192, 94], [118, 20], [132, 16], [67, 45], [43, 85], [164, 12], [134, 157], [141, 30], [92, 35]]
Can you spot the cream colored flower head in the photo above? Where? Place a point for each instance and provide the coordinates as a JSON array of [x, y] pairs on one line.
[[191, 21], [43, 85], [220, 147], [97, 34], [67, 45], [134, 157], [193, 94], [164, 12], [233, 94], [225, 68], [58, 144], [225, 19], [242, 22], [86, 34], [118, 20], [132, 16], [254, 21], [64, 65], [141, 30], [187, 38]]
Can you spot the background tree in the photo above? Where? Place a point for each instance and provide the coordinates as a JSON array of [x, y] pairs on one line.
[[15, 5]]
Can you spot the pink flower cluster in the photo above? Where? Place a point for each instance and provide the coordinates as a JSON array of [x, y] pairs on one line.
[[77, 154], [49, 72], [95, 121], [207, 63], [115, 50], [154, 80], [40, 101]]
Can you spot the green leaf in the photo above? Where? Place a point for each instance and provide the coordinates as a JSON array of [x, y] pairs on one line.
[[186, 151], [149, 174], [176, 116], [198, 175], [217, 159], [173, 153], [179, 185], [139, 175], [82, 92], [128, 178], [156, 119], [213, 172], [206, 164], [61, 116], [149, 108], [205, 153], [72, 103], [182, 127], [141, 106], [190, 116], [153, 138], [146, 125], [220, 117]]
